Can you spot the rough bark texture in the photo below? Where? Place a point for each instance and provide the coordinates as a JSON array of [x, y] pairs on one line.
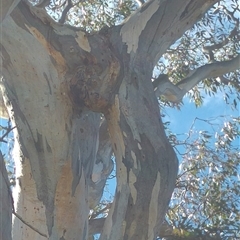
[[56, 82], [5, 203]]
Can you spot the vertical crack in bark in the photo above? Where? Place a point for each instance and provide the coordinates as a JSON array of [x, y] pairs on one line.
[[85, 142]]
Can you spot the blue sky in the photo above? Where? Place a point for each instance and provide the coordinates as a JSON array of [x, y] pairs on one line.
[[213, 106]]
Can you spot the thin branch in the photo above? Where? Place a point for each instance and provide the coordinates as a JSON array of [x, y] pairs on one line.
[[29, 225], [43, 3], [175, 93], [228, 82], [209, 49], [209, 71], [22, 220], [65, 11], [4, 174], [8, 130]]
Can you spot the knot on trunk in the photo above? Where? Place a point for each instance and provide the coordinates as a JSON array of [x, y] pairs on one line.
[[94, 84]]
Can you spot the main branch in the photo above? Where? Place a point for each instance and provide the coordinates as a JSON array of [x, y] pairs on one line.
[[175, 93], [159, 23]]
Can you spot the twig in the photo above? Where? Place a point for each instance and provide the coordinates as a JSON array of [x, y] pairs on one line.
[[94, 215], [12, 201], [30, 226], [5, 134]]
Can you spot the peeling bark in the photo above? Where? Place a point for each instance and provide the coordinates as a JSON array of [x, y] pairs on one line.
[[84, 146], [102, 167], [146, 164], [157, 25], [208, 71], [34, 90]]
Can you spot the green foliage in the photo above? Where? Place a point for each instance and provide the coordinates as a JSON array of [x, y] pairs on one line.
[[215, 37], [206, 199], [92, 15]]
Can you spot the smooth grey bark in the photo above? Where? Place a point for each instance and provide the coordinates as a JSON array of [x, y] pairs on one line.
[[3, 110], [45, 181], [7, 7], [56, 76], [102, 167], [5, 203], [157, 25], [175, 93], [211, 70], [146, 163]]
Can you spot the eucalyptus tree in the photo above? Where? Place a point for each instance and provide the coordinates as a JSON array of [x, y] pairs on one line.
[[78, 82]]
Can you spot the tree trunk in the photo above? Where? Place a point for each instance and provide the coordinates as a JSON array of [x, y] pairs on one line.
[[5, 203], [146, 164], [40, 108], [56, 82]]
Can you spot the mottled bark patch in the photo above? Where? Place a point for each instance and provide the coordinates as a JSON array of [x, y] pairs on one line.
[[93, 86]]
